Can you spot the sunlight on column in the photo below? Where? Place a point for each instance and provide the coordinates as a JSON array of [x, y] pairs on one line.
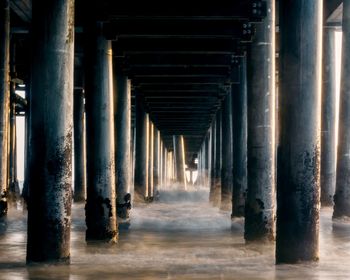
[[338, 45]]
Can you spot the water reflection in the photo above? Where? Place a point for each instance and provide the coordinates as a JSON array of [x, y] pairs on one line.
[[181, 237]]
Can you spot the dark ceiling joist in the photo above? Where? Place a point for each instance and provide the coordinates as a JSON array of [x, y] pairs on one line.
[[179, 71], [175, 45], [181, 80], [159, 28], [178, 88], [181, 59], [247, 9]]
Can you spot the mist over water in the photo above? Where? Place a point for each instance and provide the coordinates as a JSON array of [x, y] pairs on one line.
[[181, 236]]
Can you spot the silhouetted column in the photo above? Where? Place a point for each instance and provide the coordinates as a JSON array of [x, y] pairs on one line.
[[79, 146], [298, 191], [14, 191], [226, 155], [328, 120], [156, 154], [132, 157], [166, 170], [239, 137], [141, 152], [100, 207], [51, 128], [150, 160], [260, 203], [212, 160], [4, 98], [206, 159], [217, 161], [122, 124], [161, 163], [342, 192], [179, 159], [172, 166]]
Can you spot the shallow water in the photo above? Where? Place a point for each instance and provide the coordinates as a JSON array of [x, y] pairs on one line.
[[180, 237]]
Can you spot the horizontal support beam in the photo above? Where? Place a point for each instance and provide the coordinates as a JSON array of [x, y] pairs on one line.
[[173, 45], [253, 10], [160, 28], [179, 71], [179, 101], [170, 96], [179, 59], [180, 80], [179, 87]]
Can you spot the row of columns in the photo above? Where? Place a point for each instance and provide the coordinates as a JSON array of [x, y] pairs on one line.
[[152, 162], [298, 165], [250, 139], [101, 110]]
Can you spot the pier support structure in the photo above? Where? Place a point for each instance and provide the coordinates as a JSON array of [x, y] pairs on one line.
[[179, 159], [328, 119], [239, 139], [226, 154], [260, 202], [100, 205], [4, 99], [79, 146], [122, 124], [150, 161], [51, 128], [342, 191], [298, 181], [141, 152]]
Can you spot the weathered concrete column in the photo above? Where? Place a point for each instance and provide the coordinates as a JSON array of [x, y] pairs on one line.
[[171, 167], [51, 128], [166, 170], [100, 209], [79, 146], [141, 152], [328, 124], [161, 162], [239, 137], [4, 98], [132, 158], [342, 192], [14, 192], [156, 160], [298, 182], [260, 203], [199, 169], [122, 126], [212, 160], [150, 160], [207, 160], [179, 159], [226, 155], [216, 198]]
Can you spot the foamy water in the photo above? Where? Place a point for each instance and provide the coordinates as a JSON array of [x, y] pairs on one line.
[[179, 237]]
